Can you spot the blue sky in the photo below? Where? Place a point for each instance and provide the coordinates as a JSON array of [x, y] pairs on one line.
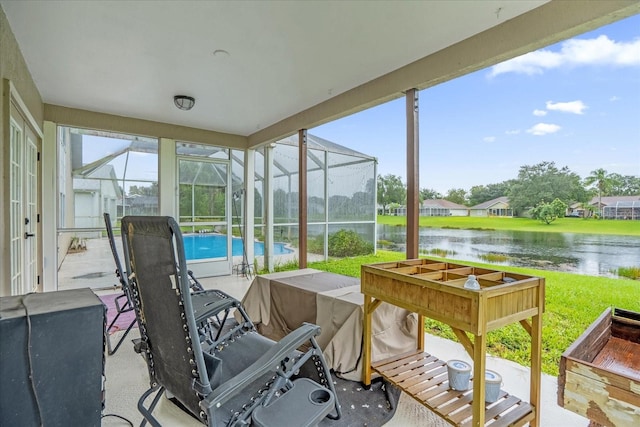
[[576, 103]]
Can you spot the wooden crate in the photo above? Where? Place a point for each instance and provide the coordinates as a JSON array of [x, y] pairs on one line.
[[600, 373], [435, 289]]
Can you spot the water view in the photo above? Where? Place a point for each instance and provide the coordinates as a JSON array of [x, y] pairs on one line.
[[595, 255]]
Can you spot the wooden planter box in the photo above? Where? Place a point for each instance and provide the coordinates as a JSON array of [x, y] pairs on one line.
[[435, 289], [600, 372]]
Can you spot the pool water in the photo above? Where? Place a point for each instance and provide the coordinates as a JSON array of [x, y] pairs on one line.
[[203, 246]]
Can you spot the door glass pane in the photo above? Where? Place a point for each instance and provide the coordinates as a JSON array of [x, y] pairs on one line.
[[16, 209], [98, 172], [30, 213], [106, 172], [203, 191], [202, 200]]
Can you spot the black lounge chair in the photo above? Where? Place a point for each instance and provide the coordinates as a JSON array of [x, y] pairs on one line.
[[123, 302], [242, 378]]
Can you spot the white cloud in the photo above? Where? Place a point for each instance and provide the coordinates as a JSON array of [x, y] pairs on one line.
[[513, 132], [489, 138], [574, 52], [543, 129], [539, 113], [575, 107], [614, 98]]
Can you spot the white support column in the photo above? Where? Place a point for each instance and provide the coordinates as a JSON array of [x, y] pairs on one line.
[[326, 206], [303, 219], [375, 204], [413, 173], [168, 178], [268, 200], [49, 208], [249, 205]]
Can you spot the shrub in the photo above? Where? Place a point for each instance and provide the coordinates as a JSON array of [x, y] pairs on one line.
[[549, 212], [315, 245], [345, 243]]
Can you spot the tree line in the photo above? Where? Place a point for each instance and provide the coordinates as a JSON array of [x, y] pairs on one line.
[[535, 186]]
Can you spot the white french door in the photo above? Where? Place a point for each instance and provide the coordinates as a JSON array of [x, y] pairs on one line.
[[23, 182]]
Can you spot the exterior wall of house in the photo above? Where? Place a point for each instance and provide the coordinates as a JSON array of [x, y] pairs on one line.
[[499, 209], [477, 212], [459, 212], [13, 68]]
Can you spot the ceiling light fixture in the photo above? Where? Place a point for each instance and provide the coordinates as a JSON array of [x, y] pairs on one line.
[[184, 102]]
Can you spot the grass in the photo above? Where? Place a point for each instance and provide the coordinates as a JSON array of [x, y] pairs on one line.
[[561, 225], [437, 252], [491, 257], [629, 272], [573, 302]]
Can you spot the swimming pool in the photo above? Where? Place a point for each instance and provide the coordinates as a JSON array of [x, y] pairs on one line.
[[203, 246]]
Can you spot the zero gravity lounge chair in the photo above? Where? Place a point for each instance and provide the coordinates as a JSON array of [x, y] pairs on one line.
[[123, 302], [242, 378]]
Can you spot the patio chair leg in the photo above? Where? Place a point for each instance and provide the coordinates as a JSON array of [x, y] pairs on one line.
[[146, 413], [110, 351]]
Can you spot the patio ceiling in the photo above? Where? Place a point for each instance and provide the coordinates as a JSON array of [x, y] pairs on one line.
[[262, 70]]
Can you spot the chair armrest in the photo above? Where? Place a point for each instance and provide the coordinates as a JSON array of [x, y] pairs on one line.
[[209, 303], [263, 365]]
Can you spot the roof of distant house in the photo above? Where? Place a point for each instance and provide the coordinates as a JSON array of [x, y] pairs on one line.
[[610, 200], [441, 203], [489, 203]]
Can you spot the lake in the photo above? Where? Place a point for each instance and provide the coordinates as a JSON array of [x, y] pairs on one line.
[[591, 254]]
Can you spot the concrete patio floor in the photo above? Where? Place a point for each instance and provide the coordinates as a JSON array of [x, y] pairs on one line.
[[127, 377]]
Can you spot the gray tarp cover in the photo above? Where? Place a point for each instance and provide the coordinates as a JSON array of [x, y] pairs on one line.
[[278, 303]]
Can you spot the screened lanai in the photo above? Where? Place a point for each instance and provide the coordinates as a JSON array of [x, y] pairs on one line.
[[203, 186], [624, 209], [341, 195]]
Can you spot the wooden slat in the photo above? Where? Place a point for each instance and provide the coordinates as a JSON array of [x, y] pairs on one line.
[[421, 374], [451, 407], [501, 406], [424, 396], [495, 410], [420, 386], [514, 417], [423, 377], [395, 357], [439, 401], [404, 364]]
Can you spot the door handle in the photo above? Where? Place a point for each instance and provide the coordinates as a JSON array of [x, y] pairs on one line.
[[27, 235]]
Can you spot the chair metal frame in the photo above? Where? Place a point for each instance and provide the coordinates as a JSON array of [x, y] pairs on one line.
[[123, 301]]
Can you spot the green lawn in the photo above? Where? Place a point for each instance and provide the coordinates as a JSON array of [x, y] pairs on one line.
[[573, 302], [561, 225]]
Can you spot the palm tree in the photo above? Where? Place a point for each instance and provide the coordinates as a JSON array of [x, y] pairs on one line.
[[602, 181]]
